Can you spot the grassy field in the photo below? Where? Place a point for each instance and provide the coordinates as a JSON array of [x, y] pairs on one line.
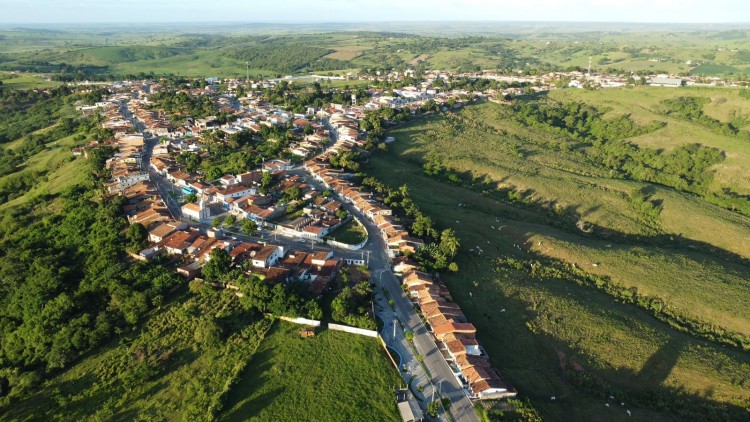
[[161, 372], [545, 334], [157, 373], [59, 167], [641, 103], [25, 81], [552, 177], [489, 145], [351, 233], [333, 376]]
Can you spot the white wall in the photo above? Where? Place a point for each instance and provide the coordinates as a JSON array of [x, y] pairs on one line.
[[353, 330]]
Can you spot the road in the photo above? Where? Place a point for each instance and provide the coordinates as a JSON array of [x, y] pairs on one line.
[[440, 373]]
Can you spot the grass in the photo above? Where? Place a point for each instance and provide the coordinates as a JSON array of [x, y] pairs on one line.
[[195, 52], [61, 170], [641, 102], [25, 81], [347, 52], [535, 330], [550, 176], [350, 233], [117, 383], [333, 376], [521, 158]]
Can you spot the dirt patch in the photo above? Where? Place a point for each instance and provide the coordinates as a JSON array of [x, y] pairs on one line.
[[420, 58]]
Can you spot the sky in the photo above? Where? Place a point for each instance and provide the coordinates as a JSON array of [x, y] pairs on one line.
[[316, 11]]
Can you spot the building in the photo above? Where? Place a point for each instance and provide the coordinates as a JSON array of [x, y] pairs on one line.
[[197, 212], [668, 82]]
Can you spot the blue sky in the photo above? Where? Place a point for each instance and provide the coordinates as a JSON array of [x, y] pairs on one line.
[[98, 11]]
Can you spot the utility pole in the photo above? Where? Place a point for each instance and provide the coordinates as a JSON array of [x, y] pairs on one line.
[[394, 330]]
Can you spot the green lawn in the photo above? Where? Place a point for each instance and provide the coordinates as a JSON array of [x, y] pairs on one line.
[[350, 233], [333, 376], [534, 329]]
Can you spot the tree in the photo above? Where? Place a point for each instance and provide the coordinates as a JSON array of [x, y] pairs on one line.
[[449, 243], [217, 266], [293, 193], [308, 130], [217, 221], [137, 236], [207, 332], [313, 310], [266, 182], [249, 227], [230, 220], [191, 198]]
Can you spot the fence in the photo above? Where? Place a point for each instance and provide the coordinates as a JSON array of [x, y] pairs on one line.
[[302, 321], [353, 330]]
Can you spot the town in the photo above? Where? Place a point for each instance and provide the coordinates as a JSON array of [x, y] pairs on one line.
[[275, 220], [281, 215]]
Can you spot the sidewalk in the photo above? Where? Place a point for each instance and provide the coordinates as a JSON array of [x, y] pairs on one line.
[[415, 375]]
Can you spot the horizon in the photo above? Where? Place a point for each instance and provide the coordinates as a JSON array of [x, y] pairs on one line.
[[82, 12]]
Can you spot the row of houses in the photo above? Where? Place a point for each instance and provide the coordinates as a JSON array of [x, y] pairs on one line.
[[455, 335], [447, 322]]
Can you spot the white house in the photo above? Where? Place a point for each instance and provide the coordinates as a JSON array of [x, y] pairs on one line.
[[268, 256], [197, 212]]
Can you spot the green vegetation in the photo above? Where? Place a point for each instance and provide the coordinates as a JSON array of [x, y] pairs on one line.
[[518, 195], [438, 252], [76, 55], [352, 305], [350, 233], [179, 364], [304, 379], [286, 58]]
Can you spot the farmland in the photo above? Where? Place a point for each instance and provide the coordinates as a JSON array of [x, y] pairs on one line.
[[226, 51], [523, 260]]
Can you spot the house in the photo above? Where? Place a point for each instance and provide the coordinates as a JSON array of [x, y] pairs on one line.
[[224, 195], [227, 180], [404, 265], [178, 242], [314, 232], [191, 270], [150, 216], [494, 388], [268, 256], [464, 328], [197, 212], [179, 178], [277, 165], [159, 232]]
